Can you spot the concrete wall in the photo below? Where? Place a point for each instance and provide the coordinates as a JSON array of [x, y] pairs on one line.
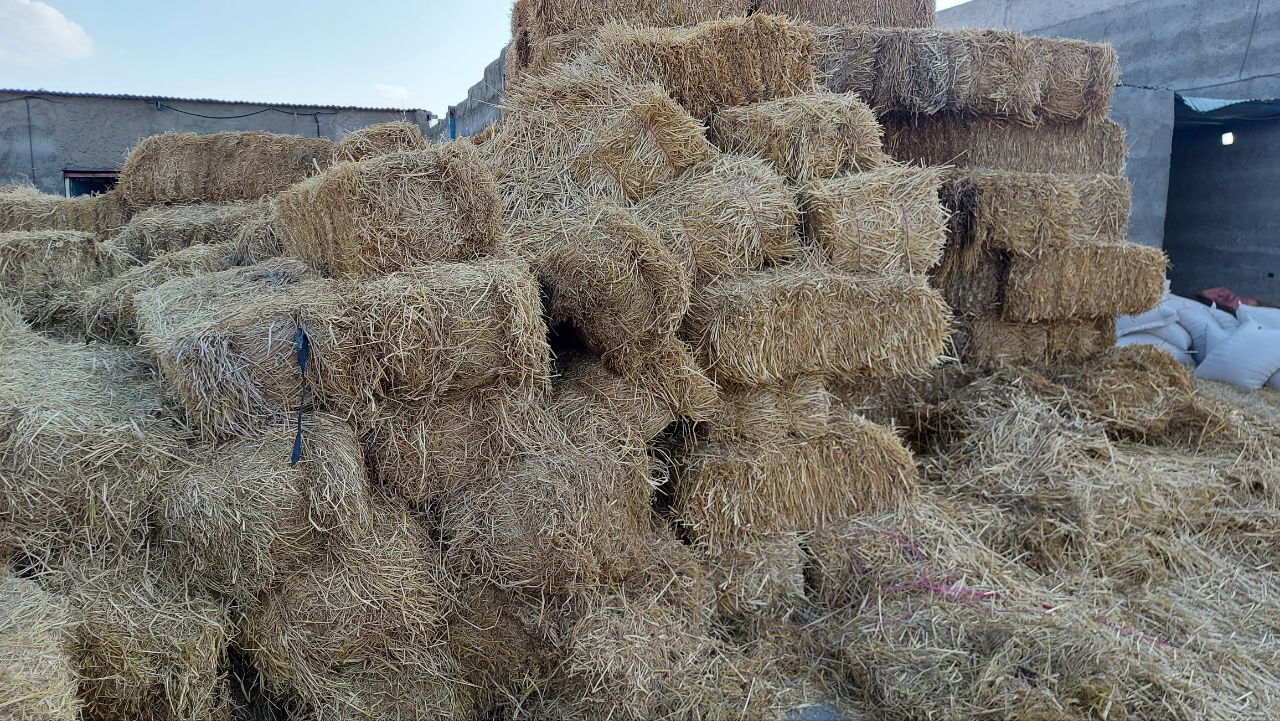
[[482, 107], [1148, 118], [1224, 211], [95, 133]]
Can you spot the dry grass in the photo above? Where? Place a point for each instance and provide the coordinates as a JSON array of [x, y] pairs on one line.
[[146, 647], [799, 408], [966, 141], [360, 631], [85, 437], [382, 139], [44, 271], [108, 309], [544, 18], [1141, 390], [878, 222], [185, 168], [992, 341], [241, 518], [809, 137], [792, 321], [880, 13], [38, 681], [735, 490], [733, 215], [224, 344], [1087, 280], [758, 576], [393, 212], [448, 327], [157, 231], [607, 276]]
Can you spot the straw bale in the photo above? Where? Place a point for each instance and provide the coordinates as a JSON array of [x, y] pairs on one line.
[[501, 659], [967, 141], [992, 341], [971, 275], [381, 139], [108, 308], [798, 408], [908, 405], [994, 73], [242, 517], [879, 221], [544, 18], [1029, 213], [646, 398], [717, 64], [257, 237], [791, 321], [146, 647], [733, 215], [424, 453], [532, 58], [757, 576], [880, 13], [606, 275], [224, 344], [85, 437], [38, 678], [361, 631], [637, 659], [154, 232], [392, 212], [185, 168], [640, 145], [1140, 390], [1081, 79], [1087, 280], [44, 271], [23, 207], [566, 511], [742, 489], [448, 327], [809, 137]]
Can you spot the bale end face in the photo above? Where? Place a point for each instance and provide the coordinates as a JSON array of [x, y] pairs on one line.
[[1087, 280]]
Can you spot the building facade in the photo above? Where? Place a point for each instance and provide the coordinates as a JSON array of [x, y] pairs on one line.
[[75, 142]]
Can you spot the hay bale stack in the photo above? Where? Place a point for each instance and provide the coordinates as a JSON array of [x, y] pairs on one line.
[[990, 341], [393, 212], [44, 272], [185, 168], [154, 232], [257, 237], [1084, 280], [992, 73], [731, 216], [798, 408], [446, 328], [717, 64], [38, 681], [382, 139], [736, 490], [778, 324], [607, 276], [880, 13], [759, 577], [225, 344], [969, 141], [85, 437], [241, 517], [360, 632], [540, 19], [1027, 213], [883, 221], [145, 647], [109, 309], [809, 137]]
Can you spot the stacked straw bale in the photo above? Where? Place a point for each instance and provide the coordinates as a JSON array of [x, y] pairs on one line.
[[184, 168], [22, 207], [38, 681], [44, 270], [154, 232], [382, 139]]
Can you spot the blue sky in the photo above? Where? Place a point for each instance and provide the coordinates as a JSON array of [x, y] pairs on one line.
[[398, 53]]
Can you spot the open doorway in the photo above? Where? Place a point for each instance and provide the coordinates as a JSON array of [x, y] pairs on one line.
[[88, 182]]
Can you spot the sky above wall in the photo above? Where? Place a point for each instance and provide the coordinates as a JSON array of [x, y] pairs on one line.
[[395, 53]]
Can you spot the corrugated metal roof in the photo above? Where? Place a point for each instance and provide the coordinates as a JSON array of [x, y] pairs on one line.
[[153, 98]]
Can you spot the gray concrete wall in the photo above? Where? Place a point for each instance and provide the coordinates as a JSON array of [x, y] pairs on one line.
[[1148, 118], [95, 133], [482, 106], [1224, 211]]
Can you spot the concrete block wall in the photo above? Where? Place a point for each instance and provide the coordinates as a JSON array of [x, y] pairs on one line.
[[482, 106]]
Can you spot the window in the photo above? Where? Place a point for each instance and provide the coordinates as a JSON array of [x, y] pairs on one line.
[[89, 182]]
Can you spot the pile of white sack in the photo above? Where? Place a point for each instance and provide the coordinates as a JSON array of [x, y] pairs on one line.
[[1241, 349]]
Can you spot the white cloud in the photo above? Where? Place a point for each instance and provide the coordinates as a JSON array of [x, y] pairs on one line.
[[34, 33], [393, 94]]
